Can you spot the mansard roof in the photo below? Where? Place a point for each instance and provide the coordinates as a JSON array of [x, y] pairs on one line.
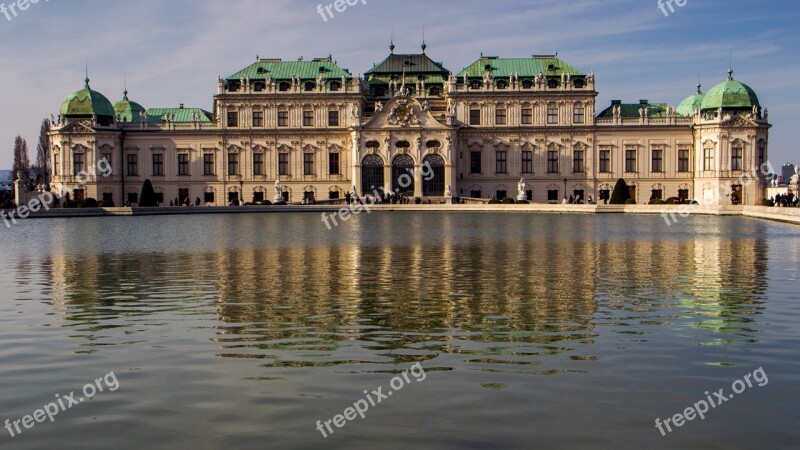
[[179, 115], [278, 69], [549, 65], [414, 64], [631, 110]]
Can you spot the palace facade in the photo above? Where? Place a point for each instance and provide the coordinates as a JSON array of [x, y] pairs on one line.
[[410, 125]]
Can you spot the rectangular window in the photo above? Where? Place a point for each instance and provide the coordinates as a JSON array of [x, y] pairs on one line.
[[500, 116], [208, 197], [552, 115], [133, 197], [630, 160], [258, 164], [474, 116], [577, 161], [333, 118], [708, 159], [77, 163], [308, 164], [501, 163], [283, 164], [527, 162], [55, 165], [158, 165], [308, 118], [552, 195], [762, 155], [475, 162], [605, 161], [552, 161], [683, 160], [183, 164], [658, 160], [208, 164], [133, 166], [258, 118], [233, 163], [527, 116], [578, 114], [283, 118], [736, 158], [333, 163], [233, 119]]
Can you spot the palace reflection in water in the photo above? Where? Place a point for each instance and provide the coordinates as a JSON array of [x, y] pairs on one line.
[[528, 292]]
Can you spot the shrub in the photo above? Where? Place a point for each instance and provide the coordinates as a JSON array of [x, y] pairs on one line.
[[672, 200], [621, 193], [508, 201], [767, 202], [148, 197], [523, 202], [630, 201], [265, 203], [88, 203], [658, 202], [494, 202], [280, 204], [106, 204]]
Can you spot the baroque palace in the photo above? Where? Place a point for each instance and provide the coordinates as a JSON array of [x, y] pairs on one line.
[[322, 132]]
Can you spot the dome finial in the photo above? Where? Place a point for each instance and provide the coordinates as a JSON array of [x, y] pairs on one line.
[[699, 86], [86, 79], [730, 74], [391, 42], [424, 45]]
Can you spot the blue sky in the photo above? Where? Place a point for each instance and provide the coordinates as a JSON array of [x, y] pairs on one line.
[[171, 52]]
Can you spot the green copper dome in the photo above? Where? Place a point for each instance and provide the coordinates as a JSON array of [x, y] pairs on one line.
[[730, 94], [691, 103], [87, 103], [128, 111]]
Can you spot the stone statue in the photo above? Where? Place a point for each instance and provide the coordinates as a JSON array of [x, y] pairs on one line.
[[795, 182], [522, 186], [449, 193], [278, 192], [378, 106]]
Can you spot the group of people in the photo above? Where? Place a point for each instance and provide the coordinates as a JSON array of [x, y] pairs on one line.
[[577, 200], [786, 201], [186, 202]]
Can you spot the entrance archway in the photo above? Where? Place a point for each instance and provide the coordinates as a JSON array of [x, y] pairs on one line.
[[403, 175], [433, 176], [371, 173]]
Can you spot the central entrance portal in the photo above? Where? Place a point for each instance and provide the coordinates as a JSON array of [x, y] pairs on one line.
[[433, 182], [403, 175]]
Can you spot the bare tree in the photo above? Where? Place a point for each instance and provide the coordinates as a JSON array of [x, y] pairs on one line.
[[43, 152], [22, 164]]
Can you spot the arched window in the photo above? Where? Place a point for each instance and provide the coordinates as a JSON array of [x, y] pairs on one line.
[[502, 84], [335, 85], [403, 174], [527, 84], [475, 84], [371, 173], [433, 176], [552, 84], [310, 86], [284, 86]]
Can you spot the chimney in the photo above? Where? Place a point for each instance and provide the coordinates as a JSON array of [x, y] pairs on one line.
[[644, 102]]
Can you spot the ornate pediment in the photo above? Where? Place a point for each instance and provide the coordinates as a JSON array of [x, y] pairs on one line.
[[403, 113], [78, 127], [738, 122]]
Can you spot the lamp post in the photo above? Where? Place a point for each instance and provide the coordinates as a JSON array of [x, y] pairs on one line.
[[565, 188]]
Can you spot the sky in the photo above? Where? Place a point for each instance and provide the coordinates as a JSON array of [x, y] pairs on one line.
[[171, 52]]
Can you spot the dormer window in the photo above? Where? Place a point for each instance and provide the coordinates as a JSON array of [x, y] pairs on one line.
[[502, 85], [310, 86], [335, 86], [475, 84], [436, 91], [284, 86], [552, 84], [578, 83], [527, 84], [259, 86]]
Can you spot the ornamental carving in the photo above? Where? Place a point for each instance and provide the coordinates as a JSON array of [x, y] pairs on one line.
[[402, 114]]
